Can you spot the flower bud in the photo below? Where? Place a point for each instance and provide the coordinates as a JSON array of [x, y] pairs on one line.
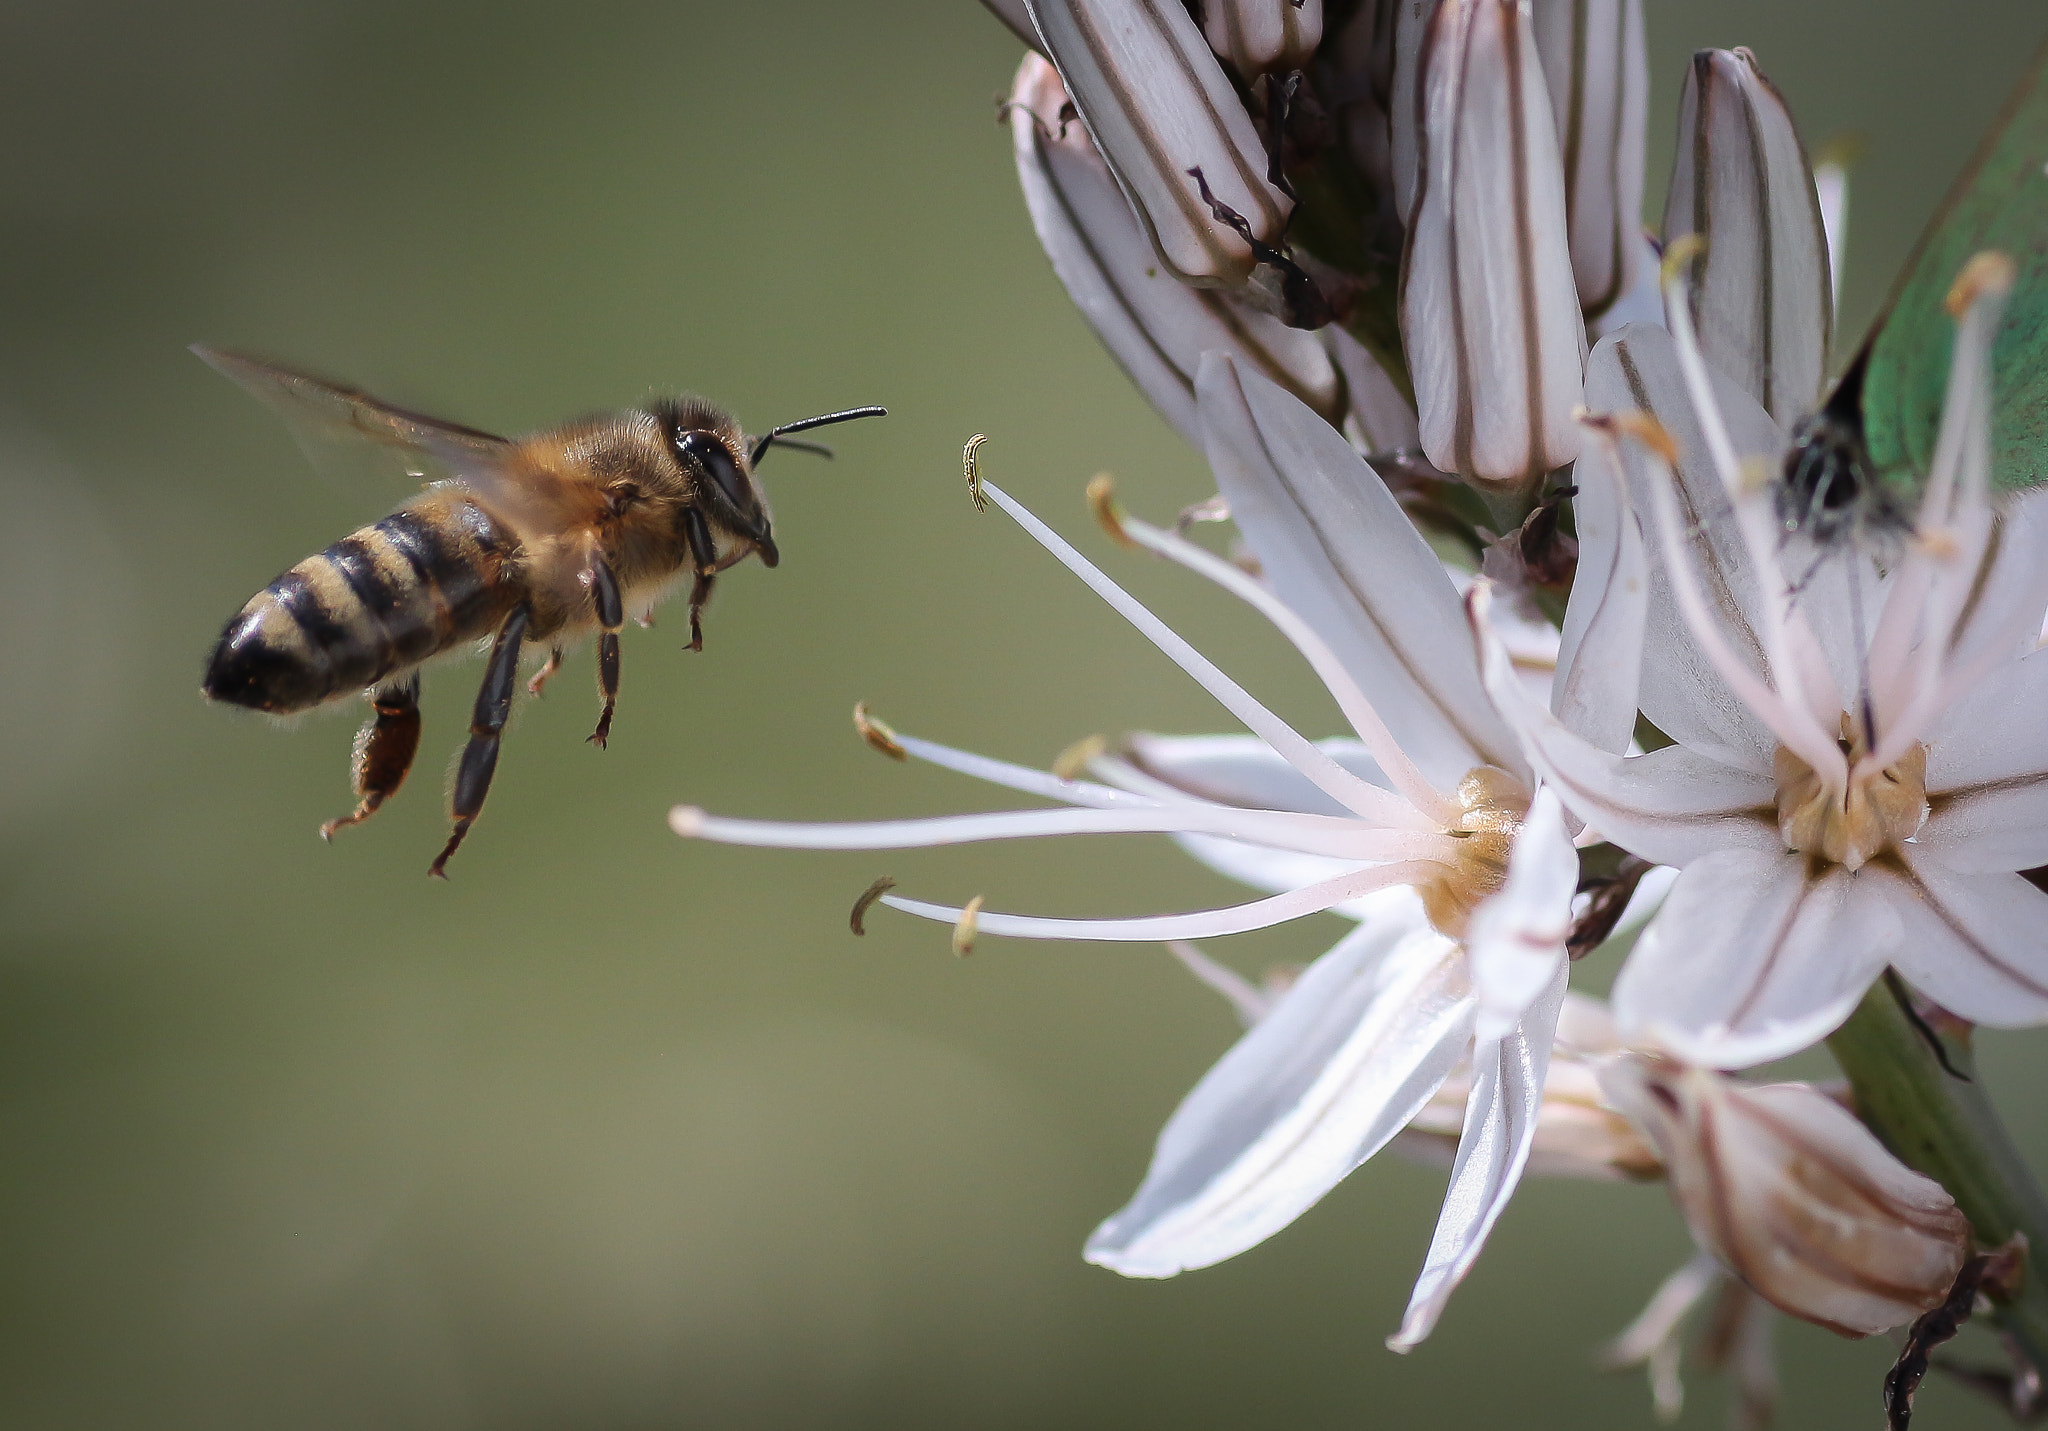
[[1156, 327], [1410, 24], [1489, 309], [1159, 106], [1595, 67], [1794, 1196], [1257, 37], [1761, 299]]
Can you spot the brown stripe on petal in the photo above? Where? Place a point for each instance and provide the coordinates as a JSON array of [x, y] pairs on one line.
[[1774, 950], [1525, 248], [1956, 927]]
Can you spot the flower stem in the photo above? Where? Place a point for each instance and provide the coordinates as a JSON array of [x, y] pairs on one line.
[[1944, 1126]]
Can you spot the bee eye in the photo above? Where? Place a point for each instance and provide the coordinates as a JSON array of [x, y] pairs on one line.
[[732, 493]]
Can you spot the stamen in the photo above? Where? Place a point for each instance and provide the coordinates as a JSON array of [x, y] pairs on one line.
[[1356, 706], [1367, 800], [1021, 777], [1251, 1002], [1752, 515], [1334, 836], [1823, 755], [1237, 919]]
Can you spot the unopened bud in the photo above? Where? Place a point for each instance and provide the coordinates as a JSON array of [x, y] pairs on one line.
[[1159, 106], [1794, 1196], [1489, 309], [1760, 297], [1257, 37], [1155, 326], [1595, 67]]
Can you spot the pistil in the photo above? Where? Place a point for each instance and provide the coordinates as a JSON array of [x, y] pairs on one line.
[[1875, 811]]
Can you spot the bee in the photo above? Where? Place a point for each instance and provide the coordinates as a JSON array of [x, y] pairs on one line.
[[534, 541]]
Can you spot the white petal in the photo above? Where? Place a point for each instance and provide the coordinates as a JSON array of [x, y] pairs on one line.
[[1682, 694], [1411, 24], [1489, 310], [1378, 416], [1344, 1059], [1339, 550], [1749, 960], [1761, 298], [1642, 303], [1516, 936], [1500, 1126], [1153, 324], [1670, 806], [1158, 104], [1600, 654], [1977, 944], [1596, 68], [1987, 774]]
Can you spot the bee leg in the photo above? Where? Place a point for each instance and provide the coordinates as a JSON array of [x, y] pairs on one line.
[[486, 723], [611, 615], [704, 552], [540, 677], [385, 747]]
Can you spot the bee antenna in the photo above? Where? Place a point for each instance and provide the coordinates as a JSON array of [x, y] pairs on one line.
[[805, 424]]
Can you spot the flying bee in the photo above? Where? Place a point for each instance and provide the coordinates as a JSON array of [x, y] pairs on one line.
[[539, 540]]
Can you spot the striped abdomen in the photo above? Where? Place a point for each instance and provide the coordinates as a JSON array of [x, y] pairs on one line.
[[429, 576]]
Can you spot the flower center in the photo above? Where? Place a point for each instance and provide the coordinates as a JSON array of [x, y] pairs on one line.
[[1878, 810], [1492, 804]]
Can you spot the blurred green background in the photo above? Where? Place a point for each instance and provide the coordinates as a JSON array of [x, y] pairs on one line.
[[615, 1131]]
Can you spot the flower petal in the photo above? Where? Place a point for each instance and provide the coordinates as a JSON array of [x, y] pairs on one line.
[[1600, 653], [1987, 774], [1489, 310], [1342, 1061], [1500, 1126], [1154, 325], [1977, 944], [1158, 104], [1516, 936], [1596, 68], [1670, 806], [1339, 550], [1378, 416], [1751, 960], [1637, 369], [1761, 298]]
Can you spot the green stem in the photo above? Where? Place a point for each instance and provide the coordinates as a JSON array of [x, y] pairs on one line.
[[1945, 1127]]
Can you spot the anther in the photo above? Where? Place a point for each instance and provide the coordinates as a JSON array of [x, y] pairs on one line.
[[1069, 763], [866, 902], [970, 466], [964, 928], [1102, 502], [877, 734]]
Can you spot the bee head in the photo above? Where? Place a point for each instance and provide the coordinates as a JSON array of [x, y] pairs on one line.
[[708, 446]]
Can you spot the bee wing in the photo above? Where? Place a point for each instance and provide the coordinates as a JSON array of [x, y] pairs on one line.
[[322, 413]]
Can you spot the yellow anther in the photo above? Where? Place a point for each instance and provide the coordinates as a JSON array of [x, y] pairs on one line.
[[964, 928], [1069, 763], [1102, 501], [1988, 274], [876, 734], [970, 467]]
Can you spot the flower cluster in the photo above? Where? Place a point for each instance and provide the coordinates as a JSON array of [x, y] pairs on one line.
[[1596, 688]]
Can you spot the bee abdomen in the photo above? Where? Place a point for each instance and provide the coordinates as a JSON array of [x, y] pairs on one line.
[[385, 597]]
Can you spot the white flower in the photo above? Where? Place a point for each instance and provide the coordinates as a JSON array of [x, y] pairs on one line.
[[1423, 827], [1838, 801]]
